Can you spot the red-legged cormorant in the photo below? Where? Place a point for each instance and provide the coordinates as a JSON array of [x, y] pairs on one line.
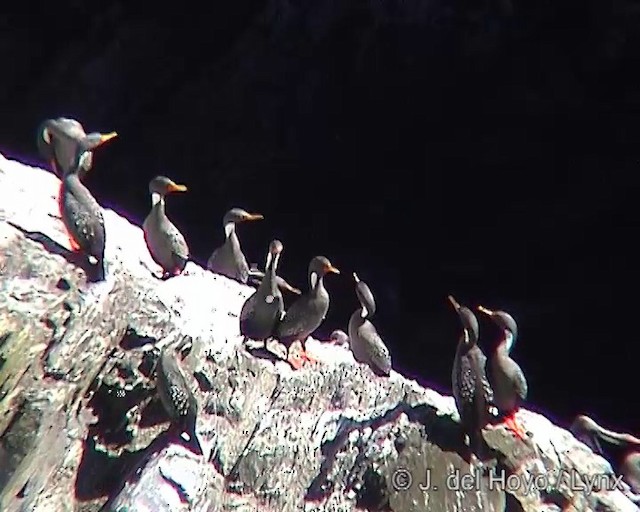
[[176, 396], [471, 389], [166, 244], [262, 310], [60, 140], [307, 313], [590, 433], [228, 260], [507, 378], [366, 344], [82, 216]]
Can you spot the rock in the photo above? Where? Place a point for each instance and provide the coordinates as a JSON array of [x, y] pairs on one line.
[[81, 428]]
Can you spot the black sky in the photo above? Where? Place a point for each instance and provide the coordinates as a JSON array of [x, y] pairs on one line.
[[489, 150]]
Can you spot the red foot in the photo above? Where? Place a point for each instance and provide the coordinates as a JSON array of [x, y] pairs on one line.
[[306, 357], [295, 361], [177, 272], [511, 423], [299, 360]]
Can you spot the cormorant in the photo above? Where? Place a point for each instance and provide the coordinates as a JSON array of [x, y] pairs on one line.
[[166, 244], [507, 378], [262, 310], [60, 140], [365, 342], [307, 313], [228, 260], [471, 389]]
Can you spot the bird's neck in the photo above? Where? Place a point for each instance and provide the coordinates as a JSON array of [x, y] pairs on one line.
[[273, 265], [229, 230], [506, 344], [157, 202], [316, 283], [469, 338], [72, 184]]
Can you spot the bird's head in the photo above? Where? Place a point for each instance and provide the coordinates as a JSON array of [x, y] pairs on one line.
[[504, 321], [365, 296], [162, 185], [467, 318]]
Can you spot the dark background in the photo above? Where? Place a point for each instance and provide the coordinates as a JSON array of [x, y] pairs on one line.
[[485, 149]]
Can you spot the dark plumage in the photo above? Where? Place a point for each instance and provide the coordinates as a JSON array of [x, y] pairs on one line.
[[307, 313], [630, 471], [471, 389], [60, 140], [176, 396], [166, 244], [365, 342], [589, 432], [228, 260], [82, 216], [262, 310], [507, 378]]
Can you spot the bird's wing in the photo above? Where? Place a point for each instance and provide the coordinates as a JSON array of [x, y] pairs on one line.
[[87, 223], [212, 262], [178, 243], [289, 326], [517, 377], [378, 351]]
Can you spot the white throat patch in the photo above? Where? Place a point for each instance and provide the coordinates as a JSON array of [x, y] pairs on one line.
[[229, 228], [314, 280], [155, 198], [508, 336]]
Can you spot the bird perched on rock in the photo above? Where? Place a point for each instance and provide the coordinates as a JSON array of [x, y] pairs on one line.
[[306, 314], [60, 140], [505, 375], [176, 396], [228, 260], [471, 389], [166, 244], [82, 216], [365, 342], [263, 309], [339, 338], [590, 433]]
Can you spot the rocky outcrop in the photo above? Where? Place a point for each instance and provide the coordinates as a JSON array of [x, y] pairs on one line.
[[81, 428]]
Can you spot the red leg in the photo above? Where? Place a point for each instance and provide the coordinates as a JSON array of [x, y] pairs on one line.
[[306, 357], [511, 423], [296, 361]]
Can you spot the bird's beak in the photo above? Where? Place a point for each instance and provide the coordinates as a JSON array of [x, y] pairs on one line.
[[332, 270], [484, 310], [254, 216], [104, 137], [453, 301], [175, 187]]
